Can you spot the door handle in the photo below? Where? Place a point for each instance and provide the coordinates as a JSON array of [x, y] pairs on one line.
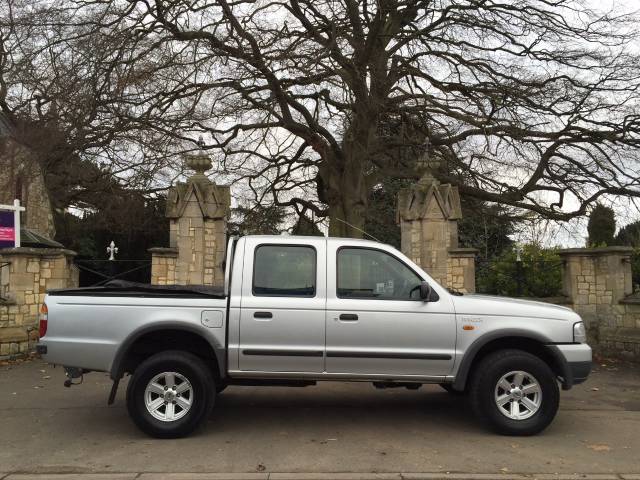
[[350, 317], [262, 315]]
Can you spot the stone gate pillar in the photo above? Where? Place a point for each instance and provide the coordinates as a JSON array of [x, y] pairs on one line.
[[198, 211], [428, 214]]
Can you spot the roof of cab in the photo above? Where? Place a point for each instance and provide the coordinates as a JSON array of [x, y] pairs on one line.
[[305, 237], [339, 241]]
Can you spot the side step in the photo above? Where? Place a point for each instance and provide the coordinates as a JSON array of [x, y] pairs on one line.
[[407, 385], [266, 382]]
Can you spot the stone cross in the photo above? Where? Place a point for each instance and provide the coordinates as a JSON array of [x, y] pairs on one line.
[[112, 250], [518, 249]]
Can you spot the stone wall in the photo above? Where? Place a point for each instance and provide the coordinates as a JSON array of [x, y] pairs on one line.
[[598, 284], [461, 269], [163, 265], [621, 342], [25, 276]]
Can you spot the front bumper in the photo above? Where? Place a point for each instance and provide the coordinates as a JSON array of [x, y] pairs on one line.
[[578, 359], [579, 371]]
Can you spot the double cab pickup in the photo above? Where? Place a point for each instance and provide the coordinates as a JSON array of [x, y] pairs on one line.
[[297, 310]]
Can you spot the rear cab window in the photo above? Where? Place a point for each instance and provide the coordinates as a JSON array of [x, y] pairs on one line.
[[284, 271]]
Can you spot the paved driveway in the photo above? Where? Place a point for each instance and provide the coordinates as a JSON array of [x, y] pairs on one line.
[[332, 427]]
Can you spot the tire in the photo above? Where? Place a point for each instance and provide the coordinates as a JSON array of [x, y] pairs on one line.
[[524, 411], [448, 387], [221, 387], [192, 401]]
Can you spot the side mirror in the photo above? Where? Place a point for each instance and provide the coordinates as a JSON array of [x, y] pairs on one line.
[[425, 291]]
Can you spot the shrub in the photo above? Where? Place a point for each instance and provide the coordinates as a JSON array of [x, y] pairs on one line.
[[541, 274], [601, 226]]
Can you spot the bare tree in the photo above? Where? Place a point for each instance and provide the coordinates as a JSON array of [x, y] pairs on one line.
[[527, 103], [63, 86]]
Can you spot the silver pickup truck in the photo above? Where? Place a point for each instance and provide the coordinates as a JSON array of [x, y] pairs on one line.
[[297, 310]]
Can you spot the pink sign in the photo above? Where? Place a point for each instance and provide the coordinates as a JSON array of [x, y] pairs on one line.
[[7, 230], [7, 234]]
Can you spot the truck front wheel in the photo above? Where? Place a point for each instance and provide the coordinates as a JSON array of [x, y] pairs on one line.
[[514, 392], [170, 394]]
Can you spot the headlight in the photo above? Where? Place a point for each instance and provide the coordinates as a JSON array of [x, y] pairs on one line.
[[579, 333]]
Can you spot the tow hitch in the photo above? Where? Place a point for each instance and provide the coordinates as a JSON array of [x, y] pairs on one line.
[[72, 373]]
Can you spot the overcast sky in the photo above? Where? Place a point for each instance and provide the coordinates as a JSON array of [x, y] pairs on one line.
[[574, 233]]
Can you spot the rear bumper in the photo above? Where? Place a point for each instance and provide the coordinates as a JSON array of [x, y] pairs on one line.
[[87, 354]]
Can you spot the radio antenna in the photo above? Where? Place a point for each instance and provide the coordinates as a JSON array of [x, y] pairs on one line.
[[359, 229]]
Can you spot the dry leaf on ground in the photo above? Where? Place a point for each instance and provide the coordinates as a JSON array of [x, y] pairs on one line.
[[599, 448]]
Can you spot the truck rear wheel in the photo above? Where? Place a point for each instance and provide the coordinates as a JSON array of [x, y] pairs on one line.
[[170, 394], [514, 392]]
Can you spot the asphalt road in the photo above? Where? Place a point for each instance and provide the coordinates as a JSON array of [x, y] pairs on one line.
[[331, 427]]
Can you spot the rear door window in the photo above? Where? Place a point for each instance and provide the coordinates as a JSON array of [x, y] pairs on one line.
[[284, 271]]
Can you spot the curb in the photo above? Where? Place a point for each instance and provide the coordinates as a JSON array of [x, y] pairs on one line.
[[319, 476]]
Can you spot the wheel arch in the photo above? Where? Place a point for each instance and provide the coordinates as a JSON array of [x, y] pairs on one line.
[[531, 342], [155, 338]]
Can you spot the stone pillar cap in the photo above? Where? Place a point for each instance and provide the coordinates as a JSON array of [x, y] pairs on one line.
[[163, 251], [596, 251], [200, 162], [37, 252], [464, 251]]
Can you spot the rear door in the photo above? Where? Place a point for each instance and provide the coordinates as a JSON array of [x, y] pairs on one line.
[[283, 305]]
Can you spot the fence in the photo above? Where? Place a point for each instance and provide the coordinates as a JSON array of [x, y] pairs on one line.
[[98, 272]]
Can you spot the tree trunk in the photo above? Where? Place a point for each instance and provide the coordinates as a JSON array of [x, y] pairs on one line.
[[345, 222], [345, 187]]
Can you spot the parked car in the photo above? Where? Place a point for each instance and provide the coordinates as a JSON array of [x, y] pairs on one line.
[[298, 310]]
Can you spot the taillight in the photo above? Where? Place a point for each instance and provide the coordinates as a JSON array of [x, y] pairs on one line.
[[44, 319]]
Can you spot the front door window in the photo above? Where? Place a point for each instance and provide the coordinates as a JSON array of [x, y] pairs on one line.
[[368, 273]]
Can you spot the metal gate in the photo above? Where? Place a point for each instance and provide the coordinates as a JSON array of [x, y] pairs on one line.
[[98, 272]]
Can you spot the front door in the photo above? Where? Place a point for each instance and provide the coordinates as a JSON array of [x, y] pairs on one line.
[[283, 306], [376, 322]]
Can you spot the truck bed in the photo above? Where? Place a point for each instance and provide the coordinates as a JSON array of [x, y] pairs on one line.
[[121, 288], [92, 324]]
